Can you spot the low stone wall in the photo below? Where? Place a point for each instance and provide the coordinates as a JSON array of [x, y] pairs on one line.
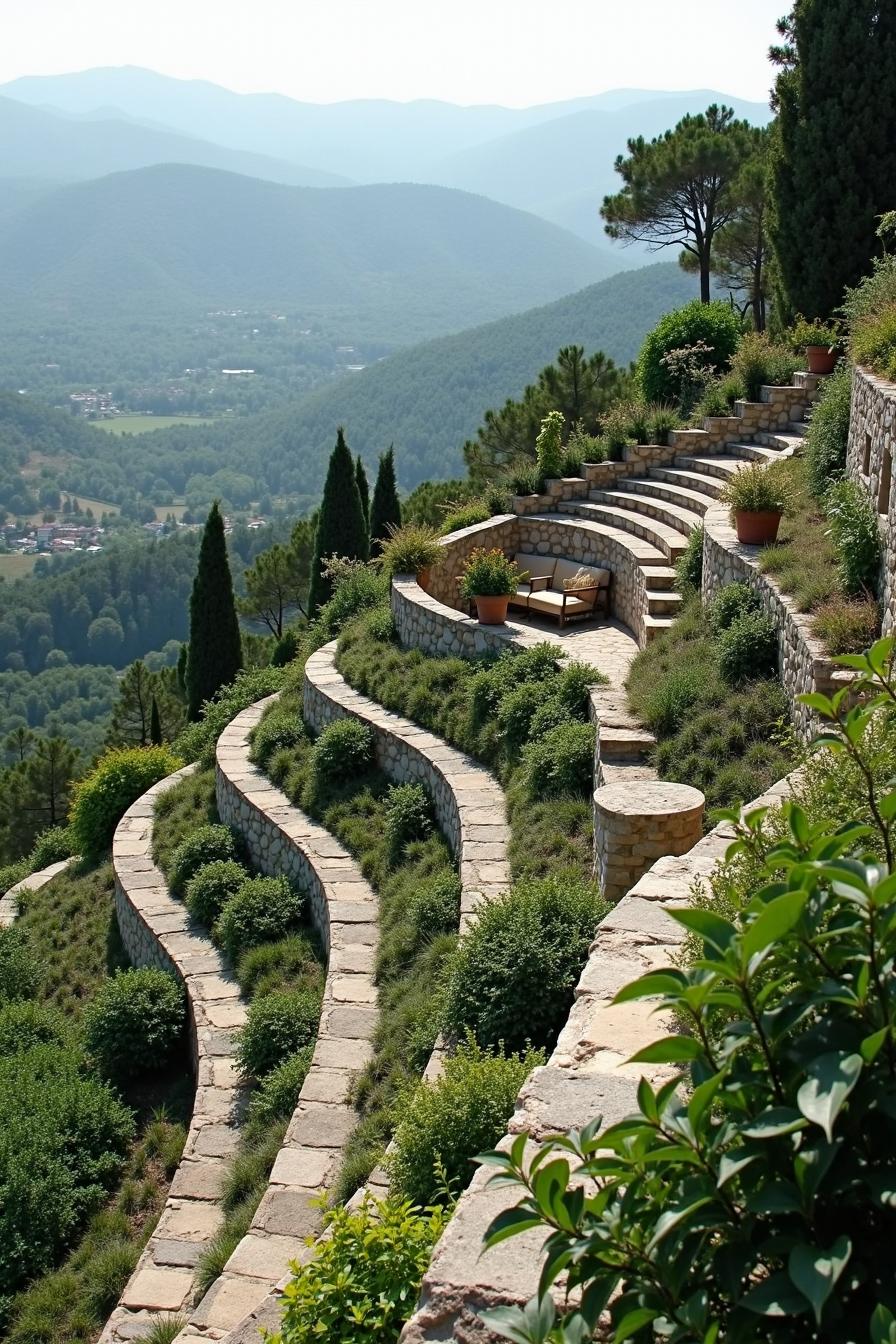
[[10, 901], [870, 463], [500, 532], [803, 664], [467, 799], [343, 909], [587, 1075], [157, 931], [637, 822]]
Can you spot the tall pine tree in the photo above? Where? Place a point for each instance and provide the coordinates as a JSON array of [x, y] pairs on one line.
[[341, 526], [833, 165], [385, 510], [216, 653], [155, 724], [363, 487]]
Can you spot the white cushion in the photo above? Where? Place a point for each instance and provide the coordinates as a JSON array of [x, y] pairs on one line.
[[536, 566]]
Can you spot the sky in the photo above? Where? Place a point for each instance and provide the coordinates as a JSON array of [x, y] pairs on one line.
[[514, 52]]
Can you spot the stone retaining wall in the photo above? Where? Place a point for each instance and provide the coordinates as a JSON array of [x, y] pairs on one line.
[[803, 664], [869, 462], [157, 931], [587, 1075], [467, 799], [343, 909], [10, 901]]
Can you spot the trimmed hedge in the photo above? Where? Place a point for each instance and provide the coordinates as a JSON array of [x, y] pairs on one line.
[[278, 1025], [207, 844], [135, 1022], [264, 910], [105, 794]]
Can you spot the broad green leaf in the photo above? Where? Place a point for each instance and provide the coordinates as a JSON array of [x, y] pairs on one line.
[[872, 1045], [775, 1296], [670, 1219], [883, 1325], [708, 926], [632, 1322], [815, 1272], [669, 1050], [776, 919], [831, 1079], [509, 1224], [654, 983], [775, 1121]]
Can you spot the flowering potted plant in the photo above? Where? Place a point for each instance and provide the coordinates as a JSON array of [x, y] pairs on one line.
[[821, 343], [413, 548], [491, 580], [757, 498]]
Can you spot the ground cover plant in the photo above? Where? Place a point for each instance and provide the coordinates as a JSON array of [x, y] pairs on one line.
[[707, 688], [84, 1166], [747, 1197], [260, 925]]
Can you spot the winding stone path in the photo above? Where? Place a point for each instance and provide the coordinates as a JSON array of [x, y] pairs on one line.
[[156, 930]]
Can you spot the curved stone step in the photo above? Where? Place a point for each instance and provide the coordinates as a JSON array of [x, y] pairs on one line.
[[722, 465], [700, 483], [651, 505], [755, 452], [663, 602], [686, 497], [668, 541]]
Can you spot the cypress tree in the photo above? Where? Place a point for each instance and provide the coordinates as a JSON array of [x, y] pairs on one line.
[[182, 668], [155, 725], [216, 653], [341, 527], [363, 487], [385, 508], [833, 164]]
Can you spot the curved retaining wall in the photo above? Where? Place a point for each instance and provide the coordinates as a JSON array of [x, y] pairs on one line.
[[9, 902], [869, 462], [343, 909], [587, 1075], [468, 800], [803, 664], [157, 931]]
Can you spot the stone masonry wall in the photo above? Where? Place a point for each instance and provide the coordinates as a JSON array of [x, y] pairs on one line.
[[803, 665], [9, 902], [157, 931], [587, 1075], [870, 463]]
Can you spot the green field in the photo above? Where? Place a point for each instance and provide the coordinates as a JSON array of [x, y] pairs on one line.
[[15, 566], [142, 424]]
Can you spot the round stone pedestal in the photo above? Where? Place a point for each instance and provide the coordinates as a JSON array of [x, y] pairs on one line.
[[636, 824]]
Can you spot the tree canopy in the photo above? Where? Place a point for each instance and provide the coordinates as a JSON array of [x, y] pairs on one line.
[[216, 653], [341, 526], [385, 509]]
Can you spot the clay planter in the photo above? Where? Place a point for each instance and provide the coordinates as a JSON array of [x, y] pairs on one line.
[[492, 610], [422, 577], [821, 358], [757, 529]]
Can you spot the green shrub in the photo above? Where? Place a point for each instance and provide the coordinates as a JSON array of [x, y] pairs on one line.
[[663, 420], [445, 1123], [468, 515], [846, 625], [562, 761], [25, 1023], [277, 1026], [856, 534], [19, 971], [713, 324], [380, 625], [513, 976], [408, 818], [730, 603], [873, 342], [549, 445], [410, 548], [757, 488], [104, 795], [207, 844], [197, 741], [263, 910], [689, 565], [748, 648], [759, 361], [828, 432], [526, 479], [287, 647], [134, 1023], [362, 1284], [51, 846], [488, 573], [280, 730], [209, 890], [516, 711], [287, 963], [278, 1093], [343, 751], [718, 398]]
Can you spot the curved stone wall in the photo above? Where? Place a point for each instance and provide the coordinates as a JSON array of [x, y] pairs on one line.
[[803, 664], [587, 1075], [9, 902], [468, 800], [157, 931], [869, 462]]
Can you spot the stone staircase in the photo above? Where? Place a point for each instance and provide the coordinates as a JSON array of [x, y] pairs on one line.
[[652, 514]]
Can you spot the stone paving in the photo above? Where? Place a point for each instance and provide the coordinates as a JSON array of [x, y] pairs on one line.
[[156, 930]]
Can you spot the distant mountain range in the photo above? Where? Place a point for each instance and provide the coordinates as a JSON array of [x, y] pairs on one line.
[[425, 259], [555, 160]]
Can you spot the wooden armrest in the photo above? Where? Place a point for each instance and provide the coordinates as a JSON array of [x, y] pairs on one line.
[[539, 578]]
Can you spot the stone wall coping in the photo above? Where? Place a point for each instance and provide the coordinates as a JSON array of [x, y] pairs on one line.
[[157, 930], [588, 1074], [649, 798], [10, 901]]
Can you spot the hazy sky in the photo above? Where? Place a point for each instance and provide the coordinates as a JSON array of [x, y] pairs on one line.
[[514, 52]]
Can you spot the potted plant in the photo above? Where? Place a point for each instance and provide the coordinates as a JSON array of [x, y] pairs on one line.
[[413, 548], [821, 343], [491, 580], [757, 499]]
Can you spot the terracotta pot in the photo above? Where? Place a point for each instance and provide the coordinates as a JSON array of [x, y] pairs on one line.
[[423, 577], [821, 358], [757, 529], [491, 610]]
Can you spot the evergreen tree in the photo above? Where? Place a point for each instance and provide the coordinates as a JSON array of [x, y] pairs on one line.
[[341, 527], [132, 712], [155, 724], [182, 669], [385, 509], [363, 487], [216, 653], [834, 148]]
